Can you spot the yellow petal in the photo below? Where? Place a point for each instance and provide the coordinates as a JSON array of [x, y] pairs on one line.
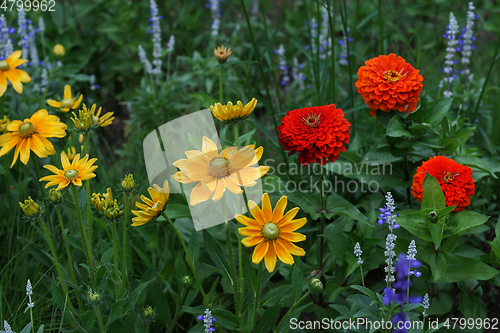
[[283, 253], [267, 209], [270, 258], [259, 252], [67, 91]]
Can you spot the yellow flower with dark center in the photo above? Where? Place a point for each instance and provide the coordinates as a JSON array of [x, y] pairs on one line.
[[31, 135], [3, 124], [215, 172], [29, 207], [233, 113], [70, 154], [58, 50], [68, 102], [8, 71], [88, 119], [75, 172], [222, 53], [151, 208], [272, 232]]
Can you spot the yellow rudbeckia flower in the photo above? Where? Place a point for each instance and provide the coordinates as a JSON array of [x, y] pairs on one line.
[[75, 172], [68, 102], [8, 71], [230, 113], [272, 232], [31, 135], [151, 208]]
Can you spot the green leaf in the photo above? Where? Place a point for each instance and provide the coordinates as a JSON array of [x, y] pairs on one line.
[[463, 268], [487, 164], [274, 296], [336, 205], [26, 328], [268, 319], [433, 197], [40, 329], [217, 255], [397, 128], [247, 136], [175, 211], [249, 273], [472, 306], [436, 230], [296, 283], [311, 204], [462, 221], [434, 112], [226, 319], [116, 310], [416, 222]]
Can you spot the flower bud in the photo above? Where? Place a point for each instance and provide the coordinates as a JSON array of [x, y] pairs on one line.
[[222, 53], [186, 281], [128, 183], [112, 211], [30, 208], [55, 196], [58, 50], [94, 298], [148, 313], [433, 215], [315, 286]]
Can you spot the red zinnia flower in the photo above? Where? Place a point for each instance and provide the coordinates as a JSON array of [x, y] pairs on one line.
[[317, 133], [455, 179], [388, 82]]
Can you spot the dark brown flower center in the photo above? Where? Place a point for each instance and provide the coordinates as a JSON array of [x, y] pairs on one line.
[[392, 76], [219, 167], [4, 66], [312, 120], [70, 174], [26, 129], [67, 102], [270, 231]]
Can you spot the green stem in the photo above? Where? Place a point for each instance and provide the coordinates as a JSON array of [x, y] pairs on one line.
[[37, 173], [115, 254], [68, 253], [487, 78], [362, 275], [332, 30], [54, 254], [83, 234], [257, 296], [124, 245], [381, 26], [188, 257], [236, 135], [99, 317], [220, 85], [147, 326], [32, 322], [42, 102], [290, 311], [233, 272], [89, 210]]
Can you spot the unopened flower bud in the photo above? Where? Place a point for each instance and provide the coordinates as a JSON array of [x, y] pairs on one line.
[[55, 196], [94, 298], [128, 183], [433, 215], [148, 312], [58, 50], [30, 208], [222, 53], [186, 281], [315, 286]]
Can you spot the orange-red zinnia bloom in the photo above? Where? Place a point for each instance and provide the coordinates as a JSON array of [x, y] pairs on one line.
[[318, 133], [455, 179], [388, 82]]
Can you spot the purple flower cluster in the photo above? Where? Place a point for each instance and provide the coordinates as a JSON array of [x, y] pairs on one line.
[[387, 211], [399, 294], [208, 320]]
